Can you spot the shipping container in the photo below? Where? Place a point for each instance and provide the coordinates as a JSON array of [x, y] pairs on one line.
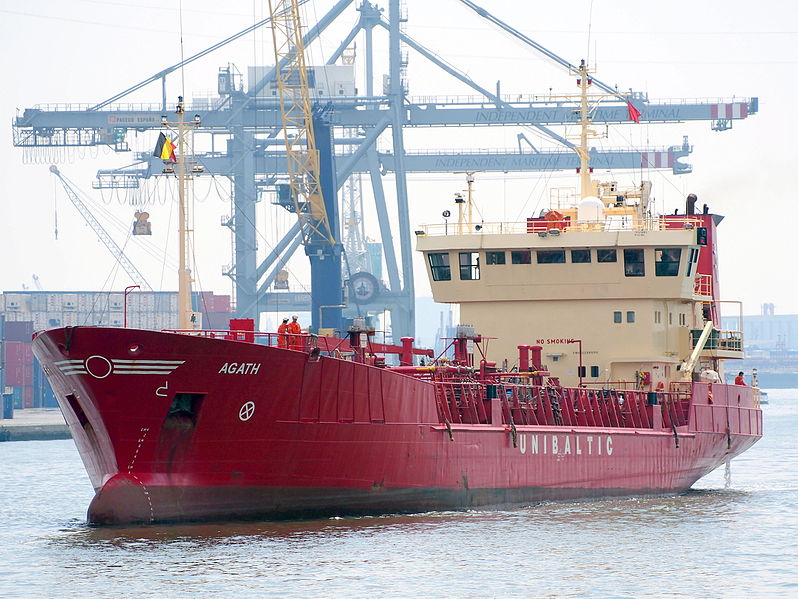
[[47, 399], [16, 302], [221, 303], [84, 302], [69, 319], [43, 396], [17, 316], [38, 302], [147, 302], [165, 321], [116, 301], [97, 318], [54, 320], [100, 303], [17, 351], [40, 321], [54, 302], [217, 321], [88, 318], [27, 396], [146, 320], [16, 374], [162, 302], [137, 302], [19, 330], [89, 303], [69, 302], [204, 301], [2, 302], [116, 319], [16, 392]]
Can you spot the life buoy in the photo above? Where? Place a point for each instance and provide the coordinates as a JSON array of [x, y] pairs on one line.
[[660, 386]]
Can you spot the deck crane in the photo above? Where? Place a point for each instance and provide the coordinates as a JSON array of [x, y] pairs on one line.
[[112, 246], [311, 173]]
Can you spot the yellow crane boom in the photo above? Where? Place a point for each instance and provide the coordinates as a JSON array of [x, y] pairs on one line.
[[297, 118]]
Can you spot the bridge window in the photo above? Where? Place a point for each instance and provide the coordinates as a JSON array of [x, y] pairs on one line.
[[633, 264], [666, 261], [521, 257], [495, 258], [469, 266], [630, 316], [551, 256], [580, 256], [594, 371], [693, 259], [617, 317], [439, 265], [606, 256]]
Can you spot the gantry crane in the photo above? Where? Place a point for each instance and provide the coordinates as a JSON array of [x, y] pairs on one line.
[[112, 246]]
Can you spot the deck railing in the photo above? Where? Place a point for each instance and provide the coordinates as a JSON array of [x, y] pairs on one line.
[[703, 287], [466, 403], [620, 222], [719, 340]]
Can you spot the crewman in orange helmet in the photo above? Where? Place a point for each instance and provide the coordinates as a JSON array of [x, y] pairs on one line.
[[282, 334], [295, 329]]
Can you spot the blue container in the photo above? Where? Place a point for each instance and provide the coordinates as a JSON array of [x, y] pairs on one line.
[[16, 393], [8, 406], [48, 397]]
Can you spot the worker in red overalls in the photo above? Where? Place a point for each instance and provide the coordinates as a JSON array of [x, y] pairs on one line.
[[282, 334], [739, 379], [294, 330]]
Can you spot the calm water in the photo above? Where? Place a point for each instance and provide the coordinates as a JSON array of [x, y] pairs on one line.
[[711, 542]]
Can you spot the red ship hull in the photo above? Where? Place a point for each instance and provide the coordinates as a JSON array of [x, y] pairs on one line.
[[176, 427]]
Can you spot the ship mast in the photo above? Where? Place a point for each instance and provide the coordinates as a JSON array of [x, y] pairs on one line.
[[187, 319], [470, 201], [465, 219], [184, 272], [585, 182]]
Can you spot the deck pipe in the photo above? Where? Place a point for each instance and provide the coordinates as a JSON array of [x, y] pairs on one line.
[[537, 356], [523, 358], [406, 355]]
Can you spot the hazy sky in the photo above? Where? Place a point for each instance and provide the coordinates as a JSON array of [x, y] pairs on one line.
[[84, 51]]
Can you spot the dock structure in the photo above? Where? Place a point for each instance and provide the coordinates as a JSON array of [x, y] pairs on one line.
[[34, 424]]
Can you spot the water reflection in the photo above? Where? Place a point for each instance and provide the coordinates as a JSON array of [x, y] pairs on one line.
[[79, 533], [691, 507]]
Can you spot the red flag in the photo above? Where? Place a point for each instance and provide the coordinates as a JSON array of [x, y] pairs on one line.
[[634, 113]]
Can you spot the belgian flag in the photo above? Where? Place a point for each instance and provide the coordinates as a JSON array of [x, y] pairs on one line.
[[164, 149]]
